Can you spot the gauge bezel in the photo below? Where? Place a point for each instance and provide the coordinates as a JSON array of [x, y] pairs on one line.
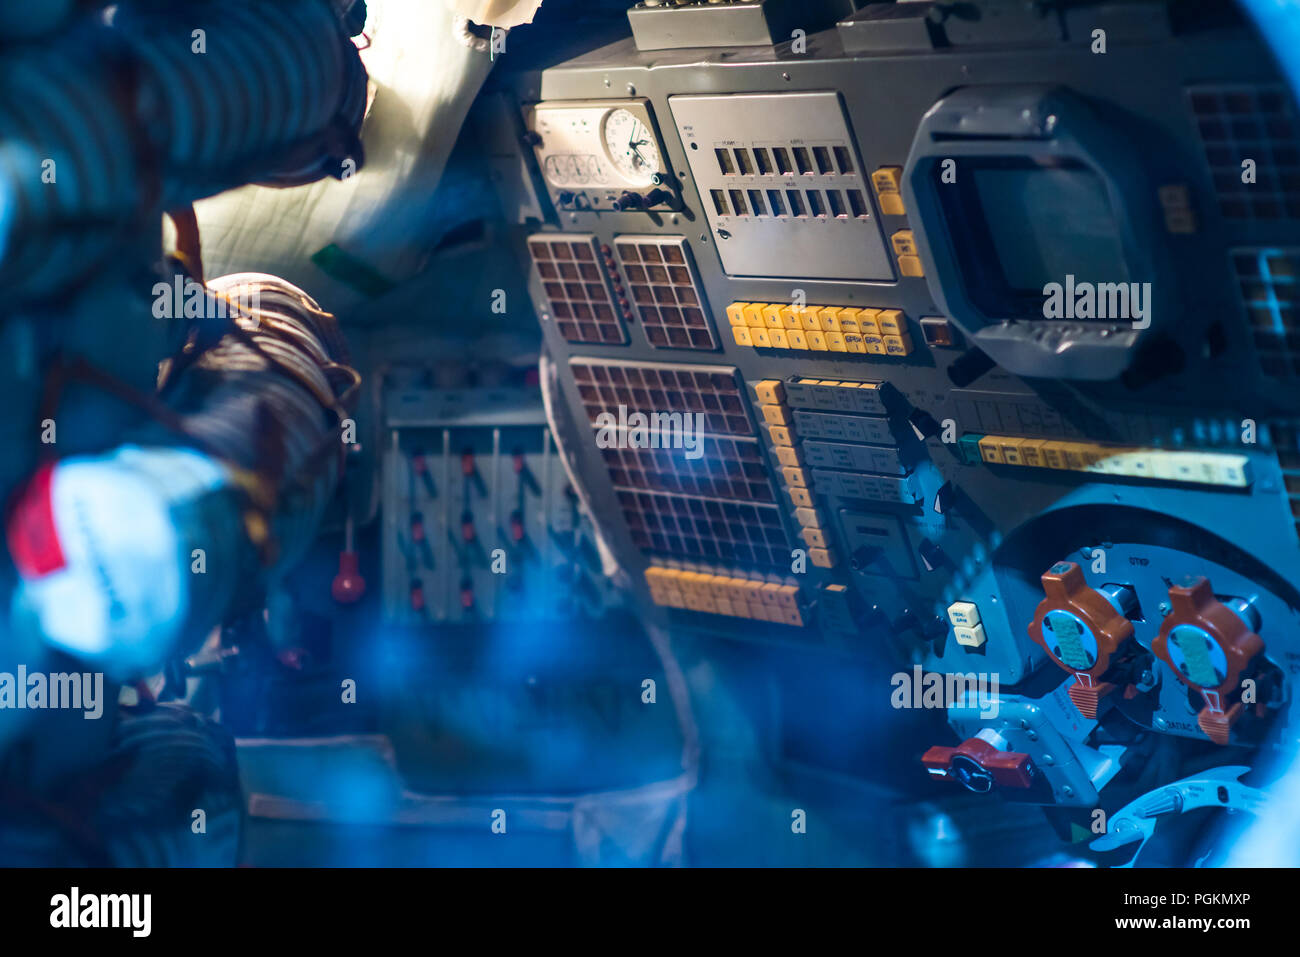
[[650, 177]]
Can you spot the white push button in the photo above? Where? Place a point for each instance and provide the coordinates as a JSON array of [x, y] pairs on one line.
[[970, 637], [963, 614]]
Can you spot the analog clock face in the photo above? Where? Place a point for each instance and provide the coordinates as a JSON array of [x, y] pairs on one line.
[[631, 146]]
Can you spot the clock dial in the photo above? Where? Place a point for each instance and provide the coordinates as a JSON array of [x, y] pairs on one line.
[[631, 146]]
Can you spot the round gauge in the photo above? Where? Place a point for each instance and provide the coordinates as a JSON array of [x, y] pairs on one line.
[[631, 146]]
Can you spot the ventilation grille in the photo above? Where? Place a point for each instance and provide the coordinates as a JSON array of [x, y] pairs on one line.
[[666, 291], [1285, 437], [709, 497], [1239, 123], [577, 290], [1266, 278]]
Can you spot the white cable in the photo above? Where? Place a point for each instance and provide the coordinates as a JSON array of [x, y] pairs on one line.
[[609, 566]]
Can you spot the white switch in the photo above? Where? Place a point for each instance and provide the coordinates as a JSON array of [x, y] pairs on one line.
[[970, 637], [963, 614]]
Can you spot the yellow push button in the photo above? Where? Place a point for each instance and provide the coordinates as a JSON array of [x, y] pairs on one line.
[[776, 415], [890, 322], [898, 345], [991, 449], [813, 537], [869, 321], [807, 518], [736, 313], [795, 477], [904, 243], [770, 391], [888, 183], [742, 336]]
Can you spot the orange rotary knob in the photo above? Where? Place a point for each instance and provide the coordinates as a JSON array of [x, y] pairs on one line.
[[1085, 631], [1209, 644]]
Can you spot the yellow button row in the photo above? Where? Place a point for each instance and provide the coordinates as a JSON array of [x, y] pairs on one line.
[[836, 383], [772, 325], [771, 393], [724, 595], [1208, 468]]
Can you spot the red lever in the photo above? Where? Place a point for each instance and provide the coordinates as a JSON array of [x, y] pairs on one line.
[[978, 765]]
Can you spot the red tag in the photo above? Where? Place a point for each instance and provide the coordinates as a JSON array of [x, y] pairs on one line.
[[33, 536]]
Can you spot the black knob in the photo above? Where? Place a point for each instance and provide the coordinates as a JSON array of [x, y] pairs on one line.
[[657, 196], [629, 200]]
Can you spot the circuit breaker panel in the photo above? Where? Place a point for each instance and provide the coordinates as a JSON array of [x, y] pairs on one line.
[[481, 522]]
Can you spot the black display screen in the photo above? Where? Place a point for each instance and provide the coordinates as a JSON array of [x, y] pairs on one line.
[[1019, 225], [1048, 222]]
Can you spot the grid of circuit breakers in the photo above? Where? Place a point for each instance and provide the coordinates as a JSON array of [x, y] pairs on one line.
[[481, 523], [856, 489]]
